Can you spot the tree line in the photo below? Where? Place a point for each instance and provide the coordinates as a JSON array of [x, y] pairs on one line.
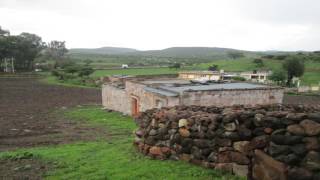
[[18, 52]]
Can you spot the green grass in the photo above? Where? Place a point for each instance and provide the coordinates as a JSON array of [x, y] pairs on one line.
[[311, 76], [113, 158], [142, 71]]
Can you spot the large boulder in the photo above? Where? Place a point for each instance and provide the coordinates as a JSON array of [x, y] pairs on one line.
[[296, 129], [312, 161], [232, 156], [275, 150], [310, 127], [312, 143], [183, 123], [240, 170], [184, 132], [155, 151], [266, 168], [242, 146], [314, 116]]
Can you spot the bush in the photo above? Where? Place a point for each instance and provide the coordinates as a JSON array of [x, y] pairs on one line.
[[278, 76], [72, 69], [85, 71], [238, 78]]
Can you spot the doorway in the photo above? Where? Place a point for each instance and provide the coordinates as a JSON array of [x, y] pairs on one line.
[[134, 106]]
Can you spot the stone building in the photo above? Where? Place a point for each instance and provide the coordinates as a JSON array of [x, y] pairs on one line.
[[131, 95]]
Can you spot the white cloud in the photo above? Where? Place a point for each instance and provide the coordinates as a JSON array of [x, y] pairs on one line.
[[156, 24]]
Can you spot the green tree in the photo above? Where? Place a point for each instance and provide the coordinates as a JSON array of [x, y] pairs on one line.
[[258, 62], [176, 66], [87, 62], [56, 50], [294, 68], [85, 71], [278, 76], [72, 69], [21, 50], [213, 67], [28, 47]]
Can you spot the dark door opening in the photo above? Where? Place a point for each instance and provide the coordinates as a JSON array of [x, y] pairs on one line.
[[134, 106]]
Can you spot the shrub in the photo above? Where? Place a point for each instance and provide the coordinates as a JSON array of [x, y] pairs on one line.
[[238, 78], [85, 71]]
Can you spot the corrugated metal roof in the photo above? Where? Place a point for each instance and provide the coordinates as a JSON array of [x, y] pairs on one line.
[[160, 91], [227, 86]]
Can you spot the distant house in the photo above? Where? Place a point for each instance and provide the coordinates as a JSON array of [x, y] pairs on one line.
[[260, 76], [201, 75], [124, 66]]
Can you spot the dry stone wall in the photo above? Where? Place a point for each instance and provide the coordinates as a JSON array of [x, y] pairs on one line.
[[272, 142]]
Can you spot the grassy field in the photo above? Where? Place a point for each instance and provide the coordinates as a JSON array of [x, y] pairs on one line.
[[142, 71], [113, 158], [311, 76]]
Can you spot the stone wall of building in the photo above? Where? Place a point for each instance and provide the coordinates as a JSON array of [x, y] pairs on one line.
[[233, 97], [146, 100], [120, 99], [116, 99], [273, 142]]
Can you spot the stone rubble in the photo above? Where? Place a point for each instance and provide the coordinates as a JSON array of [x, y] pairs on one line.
[[274, 142]]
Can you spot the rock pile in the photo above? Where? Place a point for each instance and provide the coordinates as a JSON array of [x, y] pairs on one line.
[[263, 142]]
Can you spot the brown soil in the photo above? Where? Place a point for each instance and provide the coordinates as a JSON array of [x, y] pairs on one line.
[[28, 113], [304, 100]]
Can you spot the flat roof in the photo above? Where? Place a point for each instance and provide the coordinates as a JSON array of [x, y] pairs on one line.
[[227, 86], [199, 72], [160, 91], [166, 81]]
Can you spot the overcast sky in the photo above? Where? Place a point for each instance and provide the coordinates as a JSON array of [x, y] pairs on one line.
[[158, 24]]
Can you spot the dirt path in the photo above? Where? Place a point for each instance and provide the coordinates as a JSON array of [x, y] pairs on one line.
[[27, 115]]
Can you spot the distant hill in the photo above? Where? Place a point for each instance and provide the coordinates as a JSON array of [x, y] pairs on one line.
[[173, 52], [190, 52], [102, 50]]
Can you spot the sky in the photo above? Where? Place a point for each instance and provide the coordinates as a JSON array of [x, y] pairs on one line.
[[157, 24]]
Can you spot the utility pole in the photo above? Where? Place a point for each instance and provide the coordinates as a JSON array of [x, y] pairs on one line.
[[12, 65], [6, 65]]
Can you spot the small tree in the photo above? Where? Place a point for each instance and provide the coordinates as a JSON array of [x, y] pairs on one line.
[[176, 66], [72, 69], [258, 62], [294, 68], [213, 67], [87, 62], [85, 71], [278, 76]]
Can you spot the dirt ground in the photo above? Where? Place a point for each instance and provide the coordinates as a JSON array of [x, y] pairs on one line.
[[305, 100], [29, 117]]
